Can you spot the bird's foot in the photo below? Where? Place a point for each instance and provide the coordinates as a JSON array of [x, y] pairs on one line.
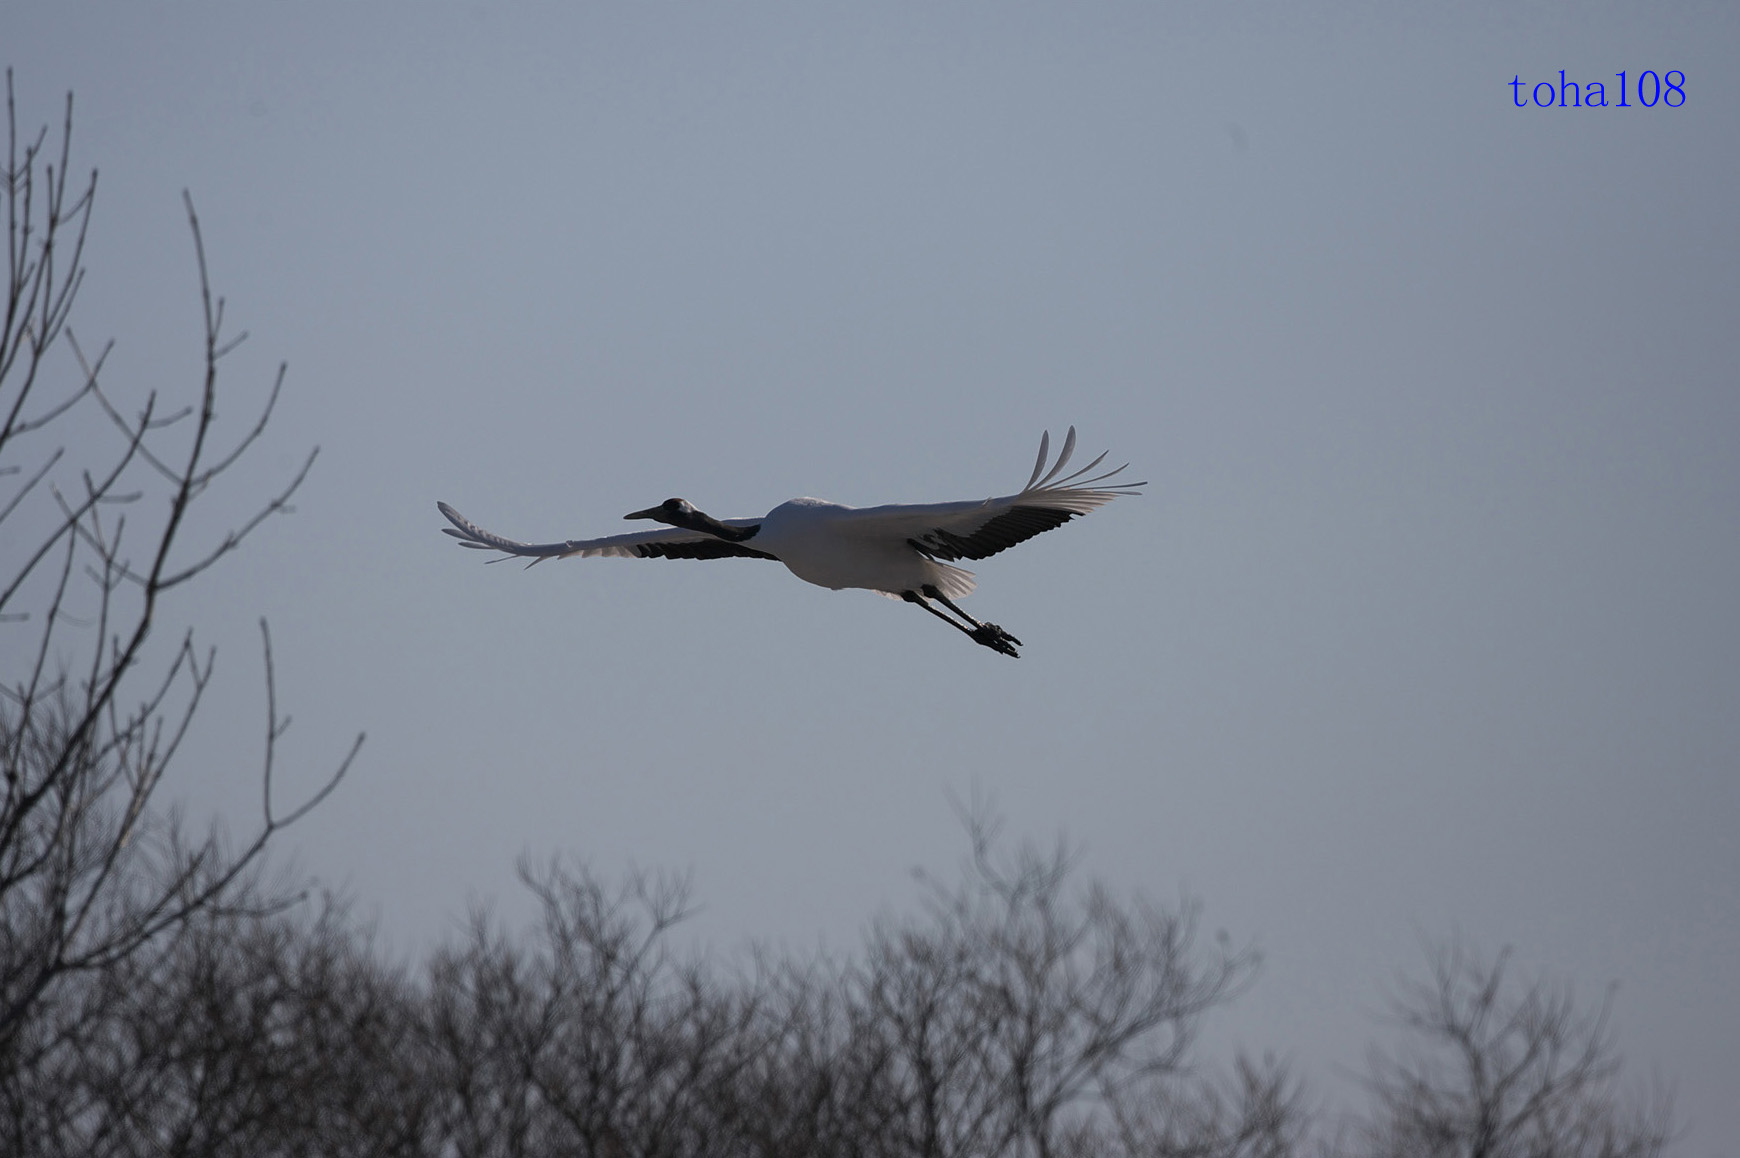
[[995, 638]]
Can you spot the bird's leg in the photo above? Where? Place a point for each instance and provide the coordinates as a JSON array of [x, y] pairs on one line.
[[990, 629], [915, 597], [987, 634]]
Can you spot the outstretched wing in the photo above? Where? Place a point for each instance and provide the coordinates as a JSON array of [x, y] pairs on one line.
[[664, 543], [976, 530]]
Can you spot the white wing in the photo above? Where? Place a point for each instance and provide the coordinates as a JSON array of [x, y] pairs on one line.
[[664, 543], [976, 530]]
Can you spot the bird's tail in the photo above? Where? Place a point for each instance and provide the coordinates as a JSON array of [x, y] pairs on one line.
[[954, 582]]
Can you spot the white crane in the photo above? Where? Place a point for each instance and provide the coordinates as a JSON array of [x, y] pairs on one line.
[[903, 550]]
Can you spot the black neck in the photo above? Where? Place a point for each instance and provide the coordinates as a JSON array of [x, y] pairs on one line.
[[708, 525]]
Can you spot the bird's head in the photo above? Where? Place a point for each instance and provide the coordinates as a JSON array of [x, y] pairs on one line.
[[681, 513], [676, 512]]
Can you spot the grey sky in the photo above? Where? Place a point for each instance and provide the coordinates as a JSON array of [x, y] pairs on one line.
[[1426, 623]]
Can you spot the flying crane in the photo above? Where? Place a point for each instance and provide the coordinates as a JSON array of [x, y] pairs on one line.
[[903, 550]]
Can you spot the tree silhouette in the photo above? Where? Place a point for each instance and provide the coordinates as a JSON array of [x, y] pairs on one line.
[[1016, 1015], [97, 876], [1496, 1070]]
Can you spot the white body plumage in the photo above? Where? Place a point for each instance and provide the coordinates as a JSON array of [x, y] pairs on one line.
[[837, 546]]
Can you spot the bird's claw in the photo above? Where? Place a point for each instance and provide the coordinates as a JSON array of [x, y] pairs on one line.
[[996, 639]]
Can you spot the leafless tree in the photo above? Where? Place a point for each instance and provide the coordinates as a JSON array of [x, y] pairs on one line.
[[816, 1082], [1014, 1016], [98, 877], [594, 1039], [1023, 1016], [251, 1036], [1017, 1014], [1500, 1070]]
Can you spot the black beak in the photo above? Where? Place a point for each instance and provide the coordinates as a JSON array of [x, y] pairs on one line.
[[649, 513]]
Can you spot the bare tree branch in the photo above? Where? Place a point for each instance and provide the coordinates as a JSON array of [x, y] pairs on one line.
[[1494, 1070], [96, 873]]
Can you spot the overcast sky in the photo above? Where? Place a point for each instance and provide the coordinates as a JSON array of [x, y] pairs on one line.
[[1426, 623]]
